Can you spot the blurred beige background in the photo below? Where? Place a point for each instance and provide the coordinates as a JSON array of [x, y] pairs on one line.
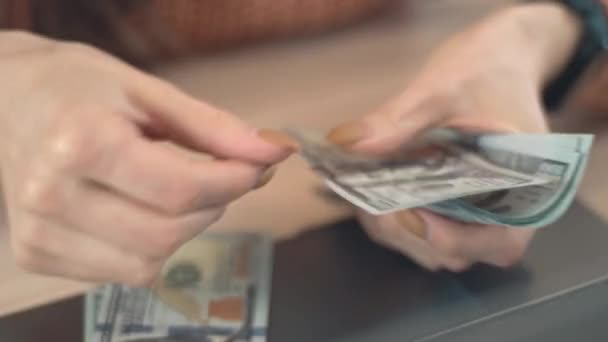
[[314, 82]]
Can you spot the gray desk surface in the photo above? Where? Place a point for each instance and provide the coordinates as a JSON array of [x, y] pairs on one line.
[[334, 285]]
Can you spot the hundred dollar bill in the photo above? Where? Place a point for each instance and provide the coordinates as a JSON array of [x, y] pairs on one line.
[[533, 206], [507, 179], [385, 185], [216, 288]]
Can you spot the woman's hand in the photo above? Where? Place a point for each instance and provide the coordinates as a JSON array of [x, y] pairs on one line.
[[488, 78], [93, 189]]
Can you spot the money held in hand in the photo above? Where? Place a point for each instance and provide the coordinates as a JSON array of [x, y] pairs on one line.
[[520, 180]]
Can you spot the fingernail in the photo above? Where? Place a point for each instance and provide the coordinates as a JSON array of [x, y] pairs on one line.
[[425, 152], [266, 177], [348, 133], [412, 222], [278, 138]]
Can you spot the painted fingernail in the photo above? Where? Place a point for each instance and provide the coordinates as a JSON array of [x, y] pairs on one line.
[[348, 133], [278, 138], [412, 222], [266, 177]]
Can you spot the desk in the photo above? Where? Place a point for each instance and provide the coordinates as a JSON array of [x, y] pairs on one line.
[[333, 285]]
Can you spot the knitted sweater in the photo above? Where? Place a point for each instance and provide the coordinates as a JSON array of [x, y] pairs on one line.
[[144, 30]]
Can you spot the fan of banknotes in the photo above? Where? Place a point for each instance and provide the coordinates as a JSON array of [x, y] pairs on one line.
[[519, 180]]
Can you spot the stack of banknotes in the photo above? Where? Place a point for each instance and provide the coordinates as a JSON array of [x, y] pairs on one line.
[[519, 180], [215, 289]]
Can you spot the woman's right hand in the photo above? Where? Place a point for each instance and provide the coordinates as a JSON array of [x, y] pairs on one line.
[[92, 189], [474, 82]]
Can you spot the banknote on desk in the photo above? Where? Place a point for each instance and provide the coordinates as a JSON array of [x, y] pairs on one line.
[[215, 289], [520, 180]]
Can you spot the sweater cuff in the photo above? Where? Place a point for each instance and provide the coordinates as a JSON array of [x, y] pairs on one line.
[[594, 39]]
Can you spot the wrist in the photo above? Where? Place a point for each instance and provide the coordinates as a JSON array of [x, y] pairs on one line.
[[540, 36]]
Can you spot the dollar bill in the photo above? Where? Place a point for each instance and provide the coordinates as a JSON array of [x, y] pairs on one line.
[[507, 179], [216, 288], [533, 206]]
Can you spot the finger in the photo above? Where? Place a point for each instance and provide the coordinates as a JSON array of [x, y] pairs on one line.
[[388, 231], [117, 221], [405, 118], [380, 234], [45, 247], [74, 268], [417, 226], [389, 128], [500, 246], [198, 125], [45, 264], [166, 180], [481, 124]]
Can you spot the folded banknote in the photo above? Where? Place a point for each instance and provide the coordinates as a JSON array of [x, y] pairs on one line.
[[522, 180]]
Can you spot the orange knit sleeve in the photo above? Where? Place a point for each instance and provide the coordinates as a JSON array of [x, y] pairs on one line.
[[147, 30], [15, 14]]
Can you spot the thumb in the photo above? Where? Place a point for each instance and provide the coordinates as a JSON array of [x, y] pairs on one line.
[[200, 126], [403, 121], [388, 129]]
